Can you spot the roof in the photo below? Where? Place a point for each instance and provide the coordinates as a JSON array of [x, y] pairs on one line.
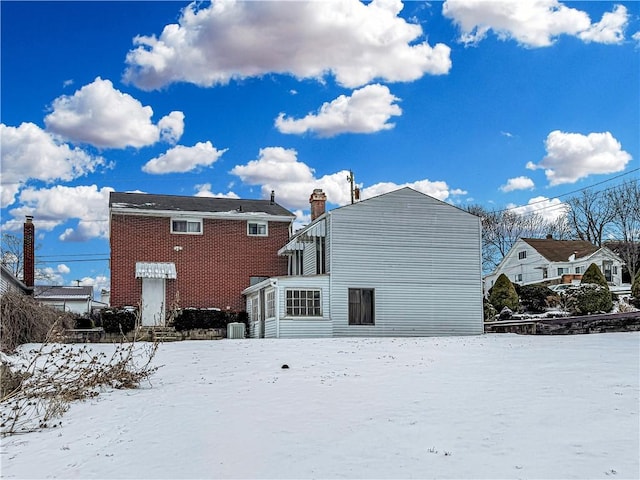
[[147, 201], [561, 250], [57, 292]]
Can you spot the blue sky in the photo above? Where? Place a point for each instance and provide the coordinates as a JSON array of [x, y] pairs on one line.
[[496, 103]]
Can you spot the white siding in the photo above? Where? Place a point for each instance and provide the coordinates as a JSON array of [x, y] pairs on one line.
[[421, 256], [292, 327]]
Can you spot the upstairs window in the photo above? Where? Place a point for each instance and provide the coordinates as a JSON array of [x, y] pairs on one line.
[[257, 229], [522, 255], [184, 226]]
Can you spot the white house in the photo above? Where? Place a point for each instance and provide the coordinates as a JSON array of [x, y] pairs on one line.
[[10, 283], [549, 261], [65, 298], [399, 264]]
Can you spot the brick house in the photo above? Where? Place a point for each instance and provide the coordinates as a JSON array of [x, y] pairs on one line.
[[200, 252]]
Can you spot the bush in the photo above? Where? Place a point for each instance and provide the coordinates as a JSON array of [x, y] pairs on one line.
[[25, 320], [116, 320], [588, 298], [489, 311], [594, 275], [534, 298], [503, 294], [83, 322], [635, 290], [191, 318]]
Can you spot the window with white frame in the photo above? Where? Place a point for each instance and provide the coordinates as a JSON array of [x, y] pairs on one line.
[[579, 269], [191, 226], [519, 277], [257, 229], [562, 271], [271, 303], [254, 309], [522, 255], [303, 303]]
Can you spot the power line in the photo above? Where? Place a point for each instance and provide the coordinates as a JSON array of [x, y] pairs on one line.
[[62, 260], [567, 193]]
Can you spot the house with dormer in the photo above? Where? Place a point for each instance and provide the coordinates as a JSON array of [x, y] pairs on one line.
[[195, 252], [399, 264], [549, 261]]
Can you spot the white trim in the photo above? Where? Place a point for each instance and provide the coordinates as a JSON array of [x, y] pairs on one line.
[[187, 220], [258, 223], [232, 215]]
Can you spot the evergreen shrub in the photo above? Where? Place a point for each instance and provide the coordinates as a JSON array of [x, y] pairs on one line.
[[503, 294], [593, 274], [635, 290], [534, 298], [588, 298], [117, 320]]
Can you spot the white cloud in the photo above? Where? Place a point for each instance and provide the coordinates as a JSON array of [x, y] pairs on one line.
[[636, 38], [353, 41], [608, 30], [102, 116], [54, 206], [28, 152], [549, 209], [63, 269], [572, 156], [99, 283], [518, 183], [171, 127], [366, 111], [293, 181], [532, 23], [48, 276], [182, 159], [204, 190]]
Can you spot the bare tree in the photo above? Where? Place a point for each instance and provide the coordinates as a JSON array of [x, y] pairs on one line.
[[590, 213], [501, 229], [624, 202], [11, 253]]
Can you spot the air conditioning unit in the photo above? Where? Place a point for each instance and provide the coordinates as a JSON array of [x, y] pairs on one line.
[[235, 330]]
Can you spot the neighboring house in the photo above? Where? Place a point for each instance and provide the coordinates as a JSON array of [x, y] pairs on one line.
[[399, 264], [9, 283], [65, 298], [192, 251], [549, 261]]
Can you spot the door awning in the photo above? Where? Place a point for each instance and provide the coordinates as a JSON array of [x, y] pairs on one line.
[[155, 270]]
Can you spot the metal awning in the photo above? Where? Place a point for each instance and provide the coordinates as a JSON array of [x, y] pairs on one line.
[[155, 270], [307, 235]]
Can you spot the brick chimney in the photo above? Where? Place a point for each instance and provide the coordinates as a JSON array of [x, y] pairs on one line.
[[29, 272], [317, 200]]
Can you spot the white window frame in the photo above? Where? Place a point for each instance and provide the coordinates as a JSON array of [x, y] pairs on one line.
[[258, 224], [305, 306], [192, 221], [522, 255], [270, 301]]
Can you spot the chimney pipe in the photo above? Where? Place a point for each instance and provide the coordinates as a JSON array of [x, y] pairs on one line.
[[29, 272], [273, 197], [317, 200]]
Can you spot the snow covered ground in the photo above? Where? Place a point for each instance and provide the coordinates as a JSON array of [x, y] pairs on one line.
[[492, 406]]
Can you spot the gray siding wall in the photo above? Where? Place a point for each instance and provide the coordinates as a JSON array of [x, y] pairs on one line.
[[422, 257], [309, 267]]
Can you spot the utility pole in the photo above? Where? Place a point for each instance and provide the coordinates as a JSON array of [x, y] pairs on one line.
[[351, 179]]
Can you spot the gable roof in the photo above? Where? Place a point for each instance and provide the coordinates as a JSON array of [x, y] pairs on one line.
[[561, 250], [177, 203], [58, 292]]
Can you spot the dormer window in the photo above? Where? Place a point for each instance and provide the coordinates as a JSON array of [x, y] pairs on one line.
[[257, 229], [191, 226], [522, 255]]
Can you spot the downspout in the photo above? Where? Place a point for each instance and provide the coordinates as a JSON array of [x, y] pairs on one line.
[[274, 284]]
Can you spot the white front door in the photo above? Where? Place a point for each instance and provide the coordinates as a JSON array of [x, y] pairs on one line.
[[153, 297]]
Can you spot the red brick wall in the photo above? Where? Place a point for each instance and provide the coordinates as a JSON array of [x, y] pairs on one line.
[[212, 268]]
